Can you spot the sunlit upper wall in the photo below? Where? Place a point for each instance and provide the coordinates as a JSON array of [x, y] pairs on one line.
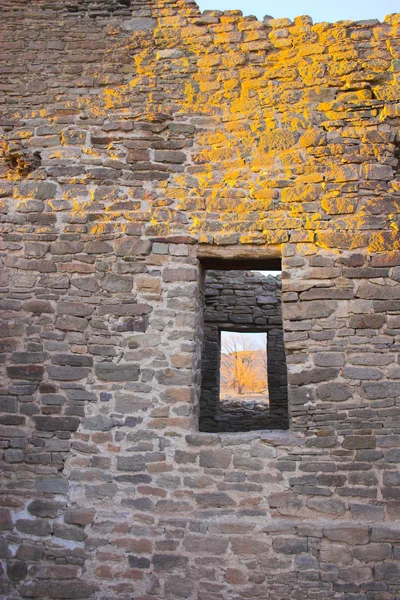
[[318, 11]]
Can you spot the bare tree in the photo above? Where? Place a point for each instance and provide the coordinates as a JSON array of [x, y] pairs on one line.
[[241, 369]]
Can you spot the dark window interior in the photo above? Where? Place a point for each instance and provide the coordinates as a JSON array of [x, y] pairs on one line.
[[244, 375]]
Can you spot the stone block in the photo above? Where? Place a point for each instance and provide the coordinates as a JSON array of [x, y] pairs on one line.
[[329, 359], [17, 570], [383, 533], [358, 442], [179, 274], [316, 309], [373, 552], [380, 390], [169, 562], [290, 545], [66, 248], [367, 512], [38, 307], [117, 372], [71, 323], [334, 391], [139, 24], [30, 552], [6, 522], [243, 545], [44, 423], [74, 309], [131, 463], [69, 589], [98, 247], [37, 527], [348, 534], [52, 484], [315, 375], [132, 246], [363, 374], [26, 372], [69, 532], [73, 360], [45, 508], [116, 283], [219, 459], [139, 562], [67, 373], [179, 587], [214, 500], [387, 572], [79, 516], [205, 544], [42, 190]]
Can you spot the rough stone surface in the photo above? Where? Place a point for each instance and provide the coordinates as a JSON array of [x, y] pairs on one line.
[[140, 143]]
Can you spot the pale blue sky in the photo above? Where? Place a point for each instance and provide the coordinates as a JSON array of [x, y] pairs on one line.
[[319, 10]]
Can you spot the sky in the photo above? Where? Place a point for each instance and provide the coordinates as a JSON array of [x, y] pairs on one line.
[[242, 341], [317, 9]]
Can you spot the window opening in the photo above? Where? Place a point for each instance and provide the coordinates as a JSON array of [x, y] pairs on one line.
[[244, 376]]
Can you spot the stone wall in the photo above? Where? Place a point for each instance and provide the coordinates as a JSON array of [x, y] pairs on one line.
[[136, 147], [242, 301]]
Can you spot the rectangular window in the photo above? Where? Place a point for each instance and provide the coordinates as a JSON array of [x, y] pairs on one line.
[[244, 378]]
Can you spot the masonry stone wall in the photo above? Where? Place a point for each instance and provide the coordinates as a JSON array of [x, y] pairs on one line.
[[242, 301], [135, 147]]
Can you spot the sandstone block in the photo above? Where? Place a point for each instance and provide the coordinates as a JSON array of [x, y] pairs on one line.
[[243, 545], [373, 552], [139, 562], [29, 553], [44, 423], [67, 373], [131, 463], [214, 500], [167, 562], [384, 389], [5, 519], [70, 589], [42, 190], [45, 508], [69, 532], [117, 372], [28, 372], [334, 392], [73, 360], [205, 544], [313, 375], [117, 283], [132, 246], [75, 309], [53, 484], [34, 527], [79, 516], [357, 442], [66, 247], [290, 545], [38, 307], [219, 459], [387, 572], [384, 533], [329, 359], [347, 533], [17, 570], [176, 275], [71, 323]]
